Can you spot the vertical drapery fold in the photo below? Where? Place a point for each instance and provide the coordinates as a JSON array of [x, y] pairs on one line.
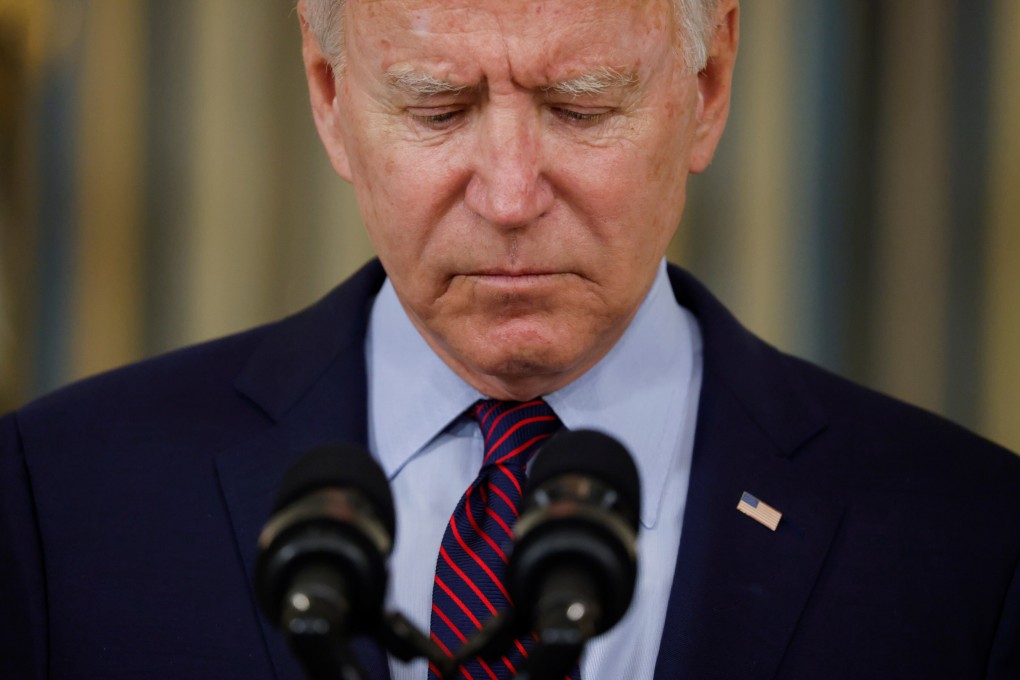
[[1000, 338]]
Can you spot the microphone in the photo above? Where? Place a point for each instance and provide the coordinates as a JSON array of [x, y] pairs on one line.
[[573, 567], [321, 573]]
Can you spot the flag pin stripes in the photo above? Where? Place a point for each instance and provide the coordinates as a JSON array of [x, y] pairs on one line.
[[759, 511]]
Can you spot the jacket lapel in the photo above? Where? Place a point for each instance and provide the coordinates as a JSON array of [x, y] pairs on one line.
[[739, 588], [308, 376]]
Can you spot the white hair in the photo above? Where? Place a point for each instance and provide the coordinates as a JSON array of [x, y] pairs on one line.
[[694, 17]]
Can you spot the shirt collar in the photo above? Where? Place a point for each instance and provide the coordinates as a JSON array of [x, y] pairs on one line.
[[637, 393], [413, 395]]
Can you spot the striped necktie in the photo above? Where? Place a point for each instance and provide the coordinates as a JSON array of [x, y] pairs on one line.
[[468, 588]]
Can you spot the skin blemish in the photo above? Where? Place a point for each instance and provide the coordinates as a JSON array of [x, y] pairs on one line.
[[420, 22]]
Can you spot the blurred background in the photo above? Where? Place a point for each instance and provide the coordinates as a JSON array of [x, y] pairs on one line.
[[161, 183]]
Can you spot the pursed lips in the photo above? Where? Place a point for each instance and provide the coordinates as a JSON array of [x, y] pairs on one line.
[[514, 277]]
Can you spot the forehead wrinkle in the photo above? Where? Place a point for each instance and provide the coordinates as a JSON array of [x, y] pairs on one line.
[[598, 81]]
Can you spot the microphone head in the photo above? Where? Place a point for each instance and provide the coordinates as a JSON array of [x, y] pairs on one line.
[[339, 466], [575, 540], [591, 454], [332, 526]]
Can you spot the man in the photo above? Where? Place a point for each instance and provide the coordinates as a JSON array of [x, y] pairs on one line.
[[520, 167]]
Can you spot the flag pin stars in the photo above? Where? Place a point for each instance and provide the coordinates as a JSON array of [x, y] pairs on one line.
[[759, 511]]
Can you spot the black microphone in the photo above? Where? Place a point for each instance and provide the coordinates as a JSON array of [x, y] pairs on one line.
[[573, 567], [321, 573]]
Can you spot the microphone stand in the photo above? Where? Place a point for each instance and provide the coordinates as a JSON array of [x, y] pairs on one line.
[[324, 654], [550, 662], [564, 625], [314, 623]]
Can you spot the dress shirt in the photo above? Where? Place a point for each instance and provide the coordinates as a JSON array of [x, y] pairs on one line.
[[644, 392]]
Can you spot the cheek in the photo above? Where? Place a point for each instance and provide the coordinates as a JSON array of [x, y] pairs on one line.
[[380, 197], [626, 196], [407, 199]]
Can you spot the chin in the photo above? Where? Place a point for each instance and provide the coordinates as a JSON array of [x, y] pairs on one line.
[[525, 363], [521, 355], [514, 359]]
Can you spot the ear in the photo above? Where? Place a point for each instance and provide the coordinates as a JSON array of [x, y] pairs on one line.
[[322, 90], [714, 83]]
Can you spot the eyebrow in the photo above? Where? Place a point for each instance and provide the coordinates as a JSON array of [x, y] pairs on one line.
[[421, 85], [595, 82]]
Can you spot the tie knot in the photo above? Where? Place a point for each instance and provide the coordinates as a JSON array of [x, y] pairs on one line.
[[514, 430]]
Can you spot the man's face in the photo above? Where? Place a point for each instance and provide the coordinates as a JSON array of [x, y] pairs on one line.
[[520, 167]]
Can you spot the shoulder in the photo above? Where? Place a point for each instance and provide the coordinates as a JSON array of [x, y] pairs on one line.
[[164, 398], [208, 392], [811, 413], [897, 444]]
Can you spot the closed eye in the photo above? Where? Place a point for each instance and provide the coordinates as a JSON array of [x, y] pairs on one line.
[[580, 117], [436, 121]]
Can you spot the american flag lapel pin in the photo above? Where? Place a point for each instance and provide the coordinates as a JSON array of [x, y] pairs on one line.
[[760, 512]]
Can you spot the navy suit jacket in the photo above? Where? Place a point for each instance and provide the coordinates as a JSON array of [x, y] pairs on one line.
[[130, 505]]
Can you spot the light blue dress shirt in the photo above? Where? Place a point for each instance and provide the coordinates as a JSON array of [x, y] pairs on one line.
[[644, 392]]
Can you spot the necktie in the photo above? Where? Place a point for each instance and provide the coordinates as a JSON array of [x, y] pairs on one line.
[[468, 588]]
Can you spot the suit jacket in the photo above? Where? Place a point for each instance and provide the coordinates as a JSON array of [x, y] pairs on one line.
[[130, 505]]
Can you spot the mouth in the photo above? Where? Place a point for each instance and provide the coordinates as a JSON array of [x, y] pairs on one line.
[[523, 277], [514, 276], [523, 273], [514, 282]]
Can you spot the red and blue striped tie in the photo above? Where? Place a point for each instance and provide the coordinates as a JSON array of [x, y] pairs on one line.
[[468, 588]]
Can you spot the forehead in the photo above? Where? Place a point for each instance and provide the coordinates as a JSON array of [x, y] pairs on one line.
[[531, 40]]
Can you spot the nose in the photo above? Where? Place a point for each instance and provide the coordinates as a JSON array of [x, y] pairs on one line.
[[508, 186]]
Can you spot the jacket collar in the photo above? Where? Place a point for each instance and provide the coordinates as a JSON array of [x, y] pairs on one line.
[[308, 376], [308, 351], [755, 373]]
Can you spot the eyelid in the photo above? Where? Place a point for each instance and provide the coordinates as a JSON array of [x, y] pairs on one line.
[[433, 110], [583, 115], [441, 117], [435, 117]]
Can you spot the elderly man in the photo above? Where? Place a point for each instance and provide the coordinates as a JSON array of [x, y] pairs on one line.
[[521, 167]]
